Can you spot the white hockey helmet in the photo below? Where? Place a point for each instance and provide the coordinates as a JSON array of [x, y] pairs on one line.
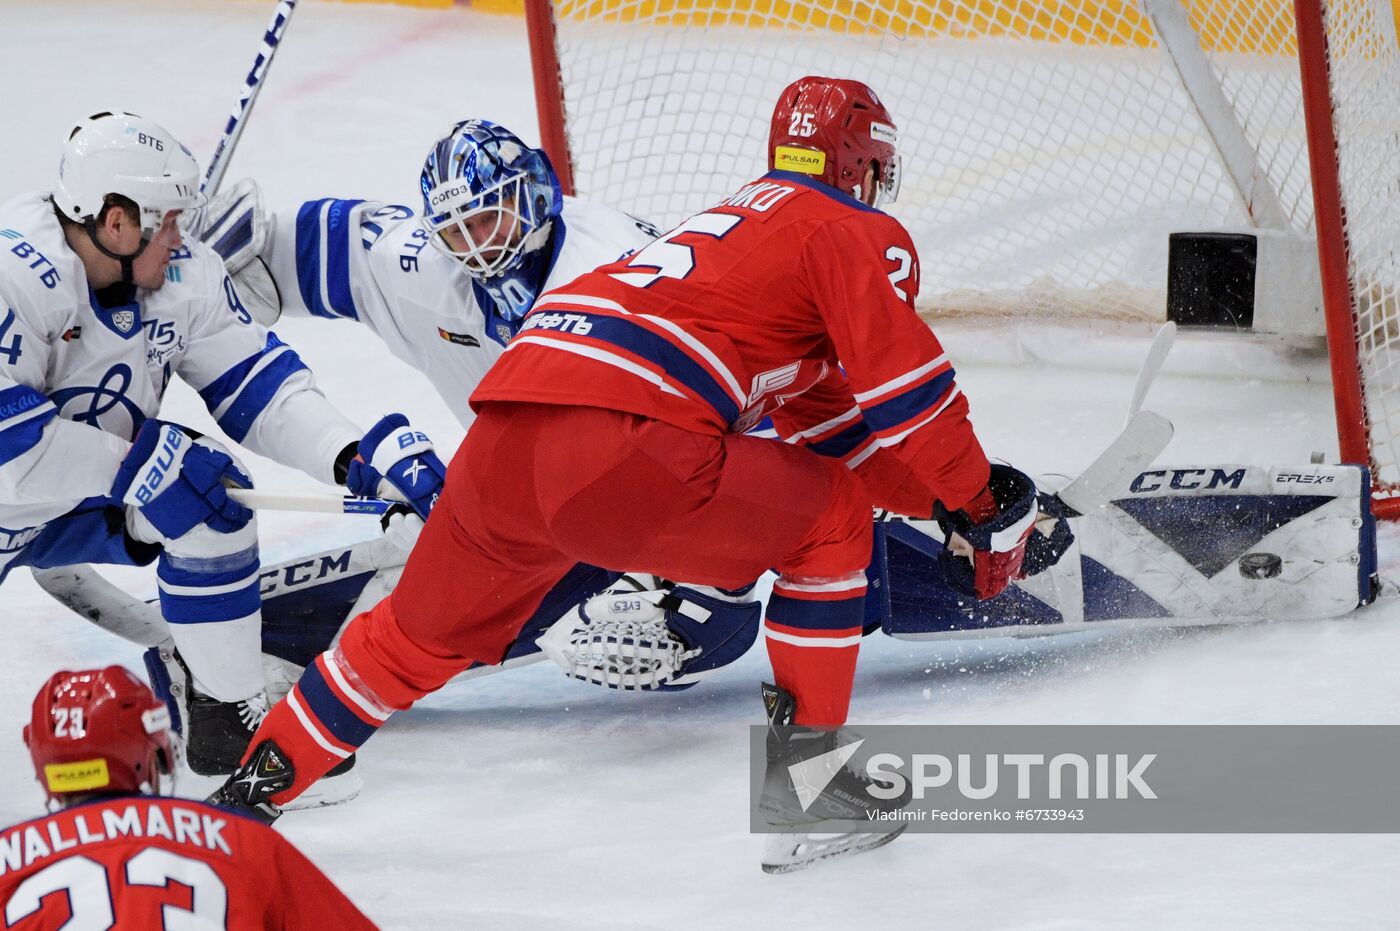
[[122, 153]]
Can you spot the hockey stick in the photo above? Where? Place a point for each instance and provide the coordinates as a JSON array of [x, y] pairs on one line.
[[313, 502], [1156, 355], [243, 108], [81, 589], [1141, 441]]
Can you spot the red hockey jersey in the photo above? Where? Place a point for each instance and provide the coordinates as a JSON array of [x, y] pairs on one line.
[[150, 862], [789, 300]]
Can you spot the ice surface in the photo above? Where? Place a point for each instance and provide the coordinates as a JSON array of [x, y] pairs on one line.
[[525, 800]]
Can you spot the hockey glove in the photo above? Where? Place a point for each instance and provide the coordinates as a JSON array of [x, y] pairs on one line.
[[394, 452], [1052, 537], [985, 542], [178, 481]]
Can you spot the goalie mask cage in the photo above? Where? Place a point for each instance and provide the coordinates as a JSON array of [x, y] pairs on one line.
[[1049, 146]]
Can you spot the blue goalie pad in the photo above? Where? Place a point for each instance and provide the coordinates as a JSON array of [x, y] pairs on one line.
[[1180, 546]]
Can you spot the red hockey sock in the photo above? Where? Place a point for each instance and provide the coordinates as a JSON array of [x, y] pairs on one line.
[[813, 629]]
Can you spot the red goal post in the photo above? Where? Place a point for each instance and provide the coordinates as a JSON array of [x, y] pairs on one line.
[[1050, 146]]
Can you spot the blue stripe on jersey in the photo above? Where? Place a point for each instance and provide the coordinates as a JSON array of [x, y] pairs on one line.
[[220, 389], [841, 614], [343, 723], [907, 405], [20, 427], [843, 443], [335, 300], [259, 392], [638, 340], [250, 395]]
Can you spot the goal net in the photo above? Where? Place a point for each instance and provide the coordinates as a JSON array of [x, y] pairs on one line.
[[1050, 147]]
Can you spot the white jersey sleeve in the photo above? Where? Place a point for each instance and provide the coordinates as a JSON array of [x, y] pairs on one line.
[[47, 464], [256, 387], [373, 263]]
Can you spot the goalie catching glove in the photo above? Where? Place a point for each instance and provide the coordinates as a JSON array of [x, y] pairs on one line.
[[994, 538], [645, 634]]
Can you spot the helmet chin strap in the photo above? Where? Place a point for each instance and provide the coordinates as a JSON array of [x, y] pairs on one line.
[[90, 225]]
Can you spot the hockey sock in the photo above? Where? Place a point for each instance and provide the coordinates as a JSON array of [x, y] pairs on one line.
[[813, 630], [326, 716]]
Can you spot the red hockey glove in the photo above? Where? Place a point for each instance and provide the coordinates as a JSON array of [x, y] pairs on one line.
[[985, 541]]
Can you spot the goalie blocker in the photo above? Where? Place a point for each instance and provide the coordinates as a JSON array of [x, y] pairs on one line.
[[1177, 546]]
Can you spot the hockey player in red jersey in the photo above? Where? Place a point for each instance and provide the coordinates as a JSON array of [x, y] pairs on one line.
[[611, 432], [115, 854]]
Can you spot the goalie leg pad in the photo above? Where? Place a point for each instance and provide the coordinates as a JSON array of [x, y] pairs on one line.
[[1192, 545]]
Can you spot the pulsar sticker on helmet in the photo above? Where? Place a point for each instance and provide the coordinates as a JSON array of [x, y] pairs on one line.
[[76, 777], [792, 158]]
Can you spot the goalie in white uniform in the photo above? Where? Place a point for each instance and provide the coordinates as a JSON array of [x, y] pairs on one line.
[[446, 292], [102, 302]]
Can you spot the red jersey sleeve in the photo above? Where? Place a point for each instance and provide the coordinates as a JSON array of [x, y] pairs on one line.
[[827, 420], [864, 273]]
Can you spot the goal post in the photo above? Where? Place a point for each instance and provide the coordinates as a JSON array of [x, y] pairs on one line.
[[1052, 148]]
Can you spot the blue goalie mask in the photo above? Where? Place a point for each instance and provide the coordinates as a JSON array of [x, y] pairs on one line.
[[488, 199]]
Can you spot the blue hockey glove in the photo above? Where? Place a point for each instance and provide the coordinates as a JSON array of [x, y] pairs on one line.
[[394, 452], [178, 481], [1052, 537]]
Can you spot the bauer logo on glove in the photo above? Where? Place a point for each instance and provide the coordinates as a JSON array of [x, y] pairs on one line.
[[397, 453]]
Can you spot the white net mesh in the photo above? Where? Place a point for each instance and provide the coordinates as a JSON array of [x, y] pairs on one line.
[[1049, 146], [1366, 109]]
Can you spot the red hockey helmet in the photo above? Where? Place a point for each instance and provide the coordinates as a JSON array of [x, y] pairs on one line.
[[832, 129], [98, 730]]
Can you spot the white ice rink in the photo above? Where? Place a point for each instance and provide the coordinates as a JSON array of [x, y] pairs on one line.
[[529, 801]]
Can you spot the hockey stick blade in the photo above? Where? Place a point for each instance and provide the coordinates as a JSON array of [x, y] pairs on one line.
[[788, 853], [1156, 355], [1141, 441], [81, 589]]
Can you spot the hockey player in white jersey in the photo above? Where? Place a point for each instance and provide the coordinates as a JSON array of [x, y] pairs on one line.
[[446, 310], [102, 302], [446, 291]]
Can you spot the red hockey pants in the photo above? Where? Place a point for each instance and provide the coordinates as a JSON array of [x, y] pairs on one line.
[[536, 488]]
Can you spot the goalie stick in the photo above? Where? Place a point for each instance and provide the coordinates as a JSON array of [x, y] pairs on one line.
[[1156, 354], [243, 107], [85, 592], [1141, 441]]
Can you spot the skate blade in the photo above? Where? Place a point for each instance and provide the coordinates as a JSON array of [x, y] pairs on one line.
[[337, 790], [788, 853]]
